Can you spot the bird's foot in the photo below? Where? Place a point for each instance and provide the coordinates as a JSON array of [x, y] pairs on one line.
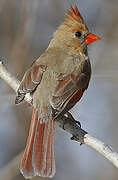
[[65, 122], [69, 115], [76, 139]]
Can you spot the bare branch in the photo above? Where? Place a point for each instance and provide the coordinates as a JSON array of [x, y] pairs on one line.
[[83, 137], [70, 126], [8, 78], [12, 81]]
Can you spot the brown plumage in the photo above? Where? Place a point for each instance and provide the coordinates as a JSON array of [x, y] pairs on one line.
[[56, 81]]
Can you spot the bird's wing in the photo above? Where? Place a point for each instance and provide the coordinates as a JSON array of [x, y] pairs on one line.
[[70, 89], [30, 81]]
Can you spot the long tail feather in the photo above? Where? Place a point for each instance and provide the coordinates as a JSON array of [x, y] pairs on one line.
[[38, 158]]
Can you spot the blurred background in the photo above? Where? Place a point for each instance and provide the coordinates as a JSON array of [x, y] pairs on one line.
[[26, 28]]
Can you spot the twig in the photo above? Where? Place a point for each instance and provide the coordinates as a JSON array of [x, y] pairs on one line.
[[70, 126], [84, 138], [12, 81]]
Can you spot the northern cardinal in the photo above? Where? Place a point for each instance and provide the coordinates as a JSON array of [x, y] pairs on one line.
[[56, 81]]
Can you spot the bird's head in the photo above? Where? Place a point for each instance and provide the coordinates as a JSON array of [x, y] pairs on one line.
[[73, 32]]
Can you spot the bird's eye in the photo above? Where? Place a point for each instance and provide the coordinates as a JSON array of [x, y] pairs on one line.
[[78, 34]]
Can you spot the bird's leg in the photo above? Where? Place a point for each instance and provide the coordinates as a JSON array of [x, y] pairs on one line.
[[69, 115], [77, 122], [65, 122]]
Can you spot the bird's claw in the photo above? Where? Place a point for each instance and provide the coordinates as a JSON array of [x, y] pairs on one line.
[[76, 139], [71, 117]]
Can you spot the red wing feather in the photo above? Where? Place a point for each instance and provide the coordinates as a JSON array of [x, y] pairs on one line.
[[68, 92], [30, 81], [64, 90]]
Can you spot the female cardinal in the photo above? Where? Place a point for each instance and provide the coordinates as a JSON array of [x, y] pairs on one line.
[[56, 81]]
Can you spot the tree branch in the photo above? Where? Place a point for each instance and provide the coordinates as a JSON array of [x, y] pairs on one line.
[[78, 134]]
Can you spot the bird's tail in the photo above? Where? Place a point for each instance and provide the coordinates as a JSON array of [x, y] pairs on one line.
[[38, 158]]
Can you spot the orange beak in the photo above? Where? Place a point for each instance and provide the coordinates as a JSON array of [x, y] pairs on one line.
[[91, 38]]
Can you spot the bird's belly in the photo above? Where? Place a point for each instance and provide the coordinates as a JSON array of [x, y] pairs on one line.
[[42, 96], [43, 93]]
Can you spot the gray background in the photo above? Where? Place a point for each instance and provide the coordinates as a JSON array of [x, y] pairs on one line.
[[26, 27]]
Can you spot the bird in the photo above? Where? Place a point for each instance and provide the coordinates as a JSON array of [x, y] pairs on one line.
[[56, 81]]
